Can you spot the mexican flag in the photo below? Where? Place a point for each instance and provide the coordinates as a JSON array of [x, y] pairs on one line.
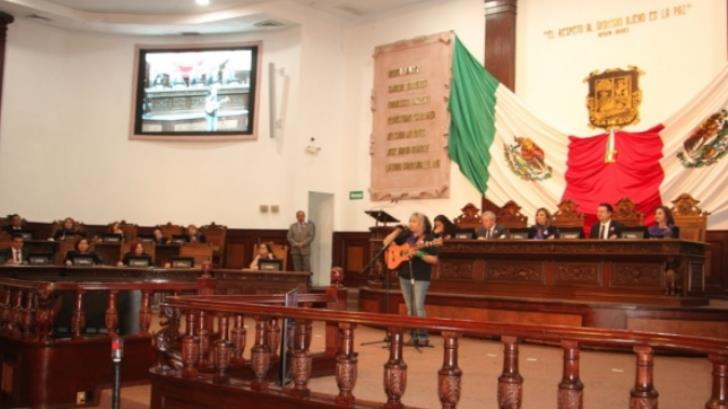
[[504, 150], [508, 153]]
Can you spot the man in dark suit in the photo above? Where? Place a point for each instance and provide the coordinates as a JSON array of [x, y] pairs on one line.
[[15, 224], [300, 237], [16, 254], [490, 229], [605, 228]]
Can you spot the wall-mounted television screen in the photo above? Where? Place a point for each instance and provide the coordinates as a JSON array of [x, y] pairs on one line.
[[196, 93]]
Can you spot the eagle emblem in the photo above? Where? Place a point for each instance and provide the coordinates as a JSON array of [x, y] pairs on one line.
[[707, 143], [614, 98], [527, 160]]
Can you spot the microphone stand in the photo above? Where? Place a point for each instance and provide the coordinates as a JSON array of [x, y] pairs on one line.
[[386, 294]]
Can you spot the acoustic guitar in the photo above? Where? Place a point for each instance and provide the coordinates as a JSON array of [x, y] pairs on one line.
[[397, 254]]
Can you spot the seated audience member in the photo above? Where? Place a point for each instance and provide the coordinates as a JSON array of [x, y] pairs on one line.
[[664, 227], [135, 250], [15, 224], [265, 252], [116, 229], [158, 237], [68, 229], [82, 248], [605, 227], [16, 254], [192, 235], [443, 228], [490, 230], [543, 229]]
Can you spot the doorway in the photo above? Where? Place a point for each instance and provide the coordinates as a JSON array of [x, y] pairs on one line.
[[321, 214]]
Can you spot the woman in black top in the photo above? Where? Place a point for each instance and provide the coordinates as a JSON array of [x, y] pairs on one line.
[[68, 229], [443, 228], [135, 250], [414, 276], [82, 248], [543, 229], [264, 252]]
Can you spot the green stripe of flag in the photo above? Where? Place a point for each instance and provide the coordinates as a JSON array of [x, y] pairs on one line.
[[472, 111]]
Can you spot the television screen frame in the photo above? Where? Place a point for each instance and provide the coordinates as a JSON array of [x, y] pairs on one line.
[[141, 50]]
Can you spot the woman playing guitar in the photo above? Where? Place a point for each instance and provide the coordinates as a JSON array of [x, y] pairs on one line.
[[414, 275]]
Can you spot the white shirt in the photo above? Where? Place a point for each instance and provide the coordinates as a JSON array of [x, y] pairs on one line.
[[604, 229]]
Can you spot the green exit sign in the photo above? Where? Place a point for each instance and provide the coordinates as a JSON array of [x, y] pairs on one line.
[[356, 195]]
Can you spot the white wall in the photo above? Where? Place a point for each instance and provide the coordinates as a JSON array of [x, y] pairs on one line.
[[64, 139], [466, 18], [679, 55], [66, 107]]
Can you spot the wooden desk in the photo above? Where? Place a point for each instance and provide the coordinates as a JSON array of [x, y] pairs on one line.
[[606, 270], [225, 281]]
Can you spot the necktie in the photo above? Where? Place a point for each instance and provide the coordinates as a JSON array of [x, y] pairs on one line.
[[16, 257], [489, 234], [601, 231]]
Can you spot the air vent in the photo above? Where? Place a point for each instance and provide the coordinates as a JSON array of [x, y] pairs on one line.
[[38, 17], [269, 24], [190, 33]]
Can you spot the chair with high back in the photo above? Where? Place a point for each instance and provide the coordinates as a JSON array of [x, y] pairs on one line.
[[200, 252], [691, 219], [510, 216], [469, 218], [568, 215], [216, 235], [170, 230], [626, 213]]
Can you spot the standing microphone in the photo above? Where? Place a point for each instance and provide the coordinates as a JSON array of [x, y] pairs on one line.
[[117, 353]]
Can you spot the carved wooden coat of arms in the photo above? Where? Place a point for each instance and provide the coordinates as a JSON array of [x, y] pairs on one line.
[[614, 98]]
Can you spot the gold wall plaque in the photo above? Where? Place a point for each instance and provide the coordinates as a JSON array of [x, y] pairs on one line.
[[614, 98]]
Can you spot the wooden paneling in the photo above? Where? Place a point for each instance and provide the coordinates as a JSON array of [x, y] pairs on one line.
[[522, 310], [500, 40], [718, 260], [351, 252]]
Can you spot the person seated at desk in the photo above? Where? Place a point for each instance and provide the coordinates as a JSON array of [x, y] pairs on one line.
[[15, 225], [68, 229], [605, 228], [664, 226], [116, 230], [265, 252], [136, 250], [16, 254], [490, 230], [443, 228], [192, 235], [158, 237], [543, 229], [82, 248]]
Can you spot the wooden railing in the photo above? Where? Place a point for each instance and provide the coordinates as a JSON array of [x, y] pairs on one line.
[[28, 309], [266, 311]]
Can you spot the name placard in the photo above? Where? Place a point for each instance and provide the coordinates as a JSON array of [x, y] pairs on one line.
[[411, 119]]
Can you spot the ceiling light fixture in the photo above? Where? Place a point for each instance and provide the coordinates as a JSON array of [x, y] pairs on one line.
[[202, 2]]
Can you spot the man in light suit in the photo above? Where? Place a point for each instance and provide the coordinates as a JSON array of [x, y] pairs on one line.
[[300, 236], [490, 230]]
